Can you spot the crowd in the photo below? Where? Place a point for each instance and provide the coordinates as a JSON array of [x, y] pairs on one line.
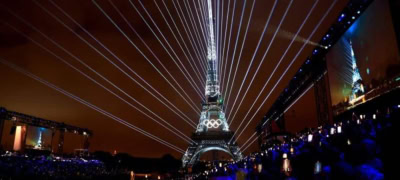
[[358, 148], [23, 166]]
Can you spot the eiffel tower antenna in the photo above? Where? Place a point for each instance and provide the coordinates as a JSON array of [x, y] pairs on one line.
[[212, 132]]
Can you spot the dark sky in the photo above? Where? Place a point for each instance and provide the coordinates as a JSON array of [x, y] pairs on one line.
[[23, 94]]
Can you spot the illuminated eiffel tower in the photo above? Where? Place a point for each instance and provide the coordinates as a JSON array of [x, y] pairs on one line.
[[212, 132], [357, 89]]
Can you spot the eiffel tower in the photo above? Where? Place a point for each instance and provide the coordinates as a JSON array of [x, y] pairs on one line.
[[212, 132], [357, 89]]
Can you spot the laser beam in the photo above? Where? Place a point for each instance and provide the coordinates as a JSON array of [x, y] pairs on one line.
[[234, 50], [287, 68], [187, 74], [76, 98], [183, 136], [240, 53]]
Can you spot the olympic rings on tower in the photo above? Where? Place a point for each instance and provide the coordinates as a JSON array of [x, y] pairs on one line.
[[212, 123]]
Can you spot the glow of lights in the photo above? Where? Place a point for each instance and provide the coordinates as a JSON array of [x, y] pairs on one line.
[[310, 137], [332, 130], [341, 17], [339, 129], [220, 164], [348, 142], [259, 168], [358, 121], [358, 12], [17, 138], [353, 17], [284, 156], [286, 166], [317, 167], [291, 150], [374, 116]]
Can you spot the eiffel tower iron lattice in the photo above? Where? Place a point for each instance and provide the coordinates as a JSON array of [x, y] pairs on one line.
[[212, 132]]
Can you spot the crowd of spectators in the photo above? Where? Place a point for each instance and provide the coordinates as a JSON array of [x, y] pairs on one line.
[[357, 148], [23, 166]]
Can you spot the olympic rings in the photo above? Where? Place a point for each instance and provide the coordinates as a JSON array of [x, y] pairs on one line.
[[212, 123]]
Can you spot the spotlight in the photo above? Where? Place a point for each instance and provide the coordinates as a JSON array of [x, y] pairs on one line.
[[358, 12], [332, 130], [341, 17], [353, 17], [317, 167], [259, 168], [310, 137], [326, 47]]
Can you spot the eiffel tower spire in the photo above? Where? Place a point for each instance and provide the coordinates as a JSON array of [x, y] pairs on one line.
[[212, 132], [212, 87]]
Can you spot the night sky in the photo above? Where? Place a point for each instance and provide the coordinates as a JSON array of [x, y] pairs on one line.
[[23, 94]]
